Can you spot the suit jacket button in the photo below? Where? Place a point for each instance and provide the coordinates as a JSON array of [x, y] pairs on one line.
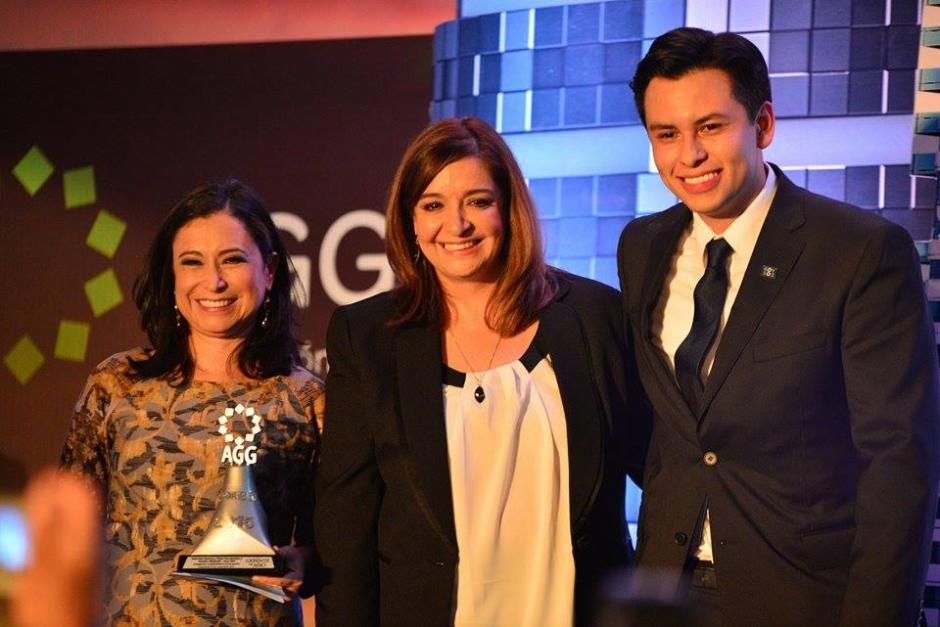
[[681, 538], [710, 458]]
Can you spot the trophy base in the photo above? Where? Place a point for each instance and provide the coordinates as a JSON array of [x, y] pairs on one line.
[[231, 564]]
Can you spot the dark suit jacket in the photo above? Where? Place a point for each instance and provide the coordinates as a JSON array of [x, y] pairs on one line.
[[384, 516], [821, 407]]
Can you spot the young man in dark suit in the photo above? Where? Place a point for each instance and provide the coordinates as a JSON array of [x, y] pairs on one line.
[[784, 344]]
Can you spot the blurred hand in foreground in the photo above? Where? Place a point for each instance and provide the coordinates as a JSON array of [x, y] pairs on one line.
[[59, 587]]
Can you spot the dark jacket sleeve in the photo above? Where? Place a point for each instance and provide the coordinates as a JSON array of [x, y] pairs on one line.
[[348, 490], [890, 365], [633, 418], [640, 413], [601, 312]]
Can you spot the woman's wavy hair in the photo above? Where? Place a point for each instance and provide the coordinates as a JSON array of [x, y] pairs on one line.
[[525, 285], [267, 350]]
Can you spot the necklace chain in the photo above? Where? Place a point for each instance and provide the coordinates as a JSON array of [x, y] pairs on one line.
[[479, 395]]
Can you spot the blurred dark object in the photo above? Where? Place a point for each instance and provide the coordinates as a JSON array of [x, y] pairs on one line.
[[637, 597], [12, 475]]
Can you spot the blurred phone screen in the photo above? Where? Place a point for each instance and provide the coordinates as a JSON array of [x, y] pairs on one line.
[[14, 541]]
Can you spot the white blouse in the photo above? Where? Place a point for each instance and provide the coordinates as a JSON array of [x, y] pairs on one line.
[[509, 478]]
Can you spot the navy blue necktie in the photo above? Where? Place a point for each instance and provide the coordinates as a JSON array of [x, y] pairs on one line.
[[709, 296]]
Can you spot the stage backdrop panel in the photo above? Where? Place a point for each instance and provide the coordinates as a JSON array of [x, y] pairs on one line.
[[96, 146]]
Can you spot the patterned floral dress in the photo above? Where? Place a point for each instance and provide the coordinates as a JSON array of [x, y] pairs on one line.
[[155, 450]]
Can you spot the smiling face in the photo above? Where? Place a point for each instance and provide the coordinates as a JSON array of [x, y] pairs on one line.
[[706, 148], [220, 276], [459, 225]]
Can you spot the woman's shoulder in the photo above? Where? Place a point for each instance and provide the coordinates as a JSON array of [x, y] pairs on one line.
[[121, 360], [368, 311], [365, 322], [304, 384], [575, 290], [119, 365], [598, 306], [114, 376], [361, 334], [303, 380], [307, 393]]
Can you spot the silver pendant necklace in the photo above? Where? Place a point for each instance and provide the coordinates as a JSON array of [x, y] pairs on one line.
[[478, 393]]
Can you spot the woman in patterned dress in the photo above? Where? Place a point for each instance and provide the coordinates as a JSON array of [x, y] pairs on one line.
[[215, 302]]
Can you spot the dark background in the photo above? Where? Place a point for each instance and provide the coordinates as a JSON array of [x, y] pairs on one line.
[[316, 127]]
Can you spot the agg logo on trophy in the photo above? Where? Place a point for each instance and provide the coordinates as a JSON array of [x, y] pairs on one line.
[[236, 542], [240, 453]]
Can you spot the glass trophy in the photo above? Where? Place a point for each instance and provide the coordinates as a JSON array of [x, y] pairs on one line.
[[236, 542]]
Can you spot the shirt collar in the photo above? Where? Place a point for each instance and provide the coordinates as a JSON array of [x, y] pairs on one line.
[[743, 232]]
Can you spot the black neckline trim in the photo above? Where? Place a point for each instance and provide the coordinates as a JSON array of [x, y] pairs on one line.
[[530, 359]]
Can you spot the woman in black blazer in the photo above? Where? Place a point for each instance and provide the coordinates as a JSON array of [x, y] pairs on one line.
[[477, 429]]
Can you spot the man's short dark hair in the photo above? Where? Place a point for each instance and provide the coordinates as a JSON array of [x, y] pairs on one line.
[[683, 50]]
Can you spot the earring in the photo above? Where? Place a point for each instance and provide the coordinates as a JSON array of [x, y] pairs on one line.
[[417, 255], [266, 320], [179, 320]]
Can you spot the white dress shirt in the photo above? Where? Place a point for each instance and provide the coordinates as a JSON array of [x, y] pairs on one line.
[[672, 319]]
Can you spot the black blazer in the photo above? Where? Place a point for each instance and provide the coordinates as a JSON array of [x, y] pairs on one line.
[[384, 517], [821, 407]]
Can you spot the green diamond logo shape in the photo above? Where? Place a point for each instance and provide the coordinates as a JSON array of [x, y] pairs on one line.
[[24, 359], [33, 170], [106, 233], [103, 292], [79, 186], [72, 341]]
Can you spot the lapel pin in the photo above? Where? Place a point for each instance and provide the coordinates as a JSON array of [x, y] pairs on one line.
[[768, 272]]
